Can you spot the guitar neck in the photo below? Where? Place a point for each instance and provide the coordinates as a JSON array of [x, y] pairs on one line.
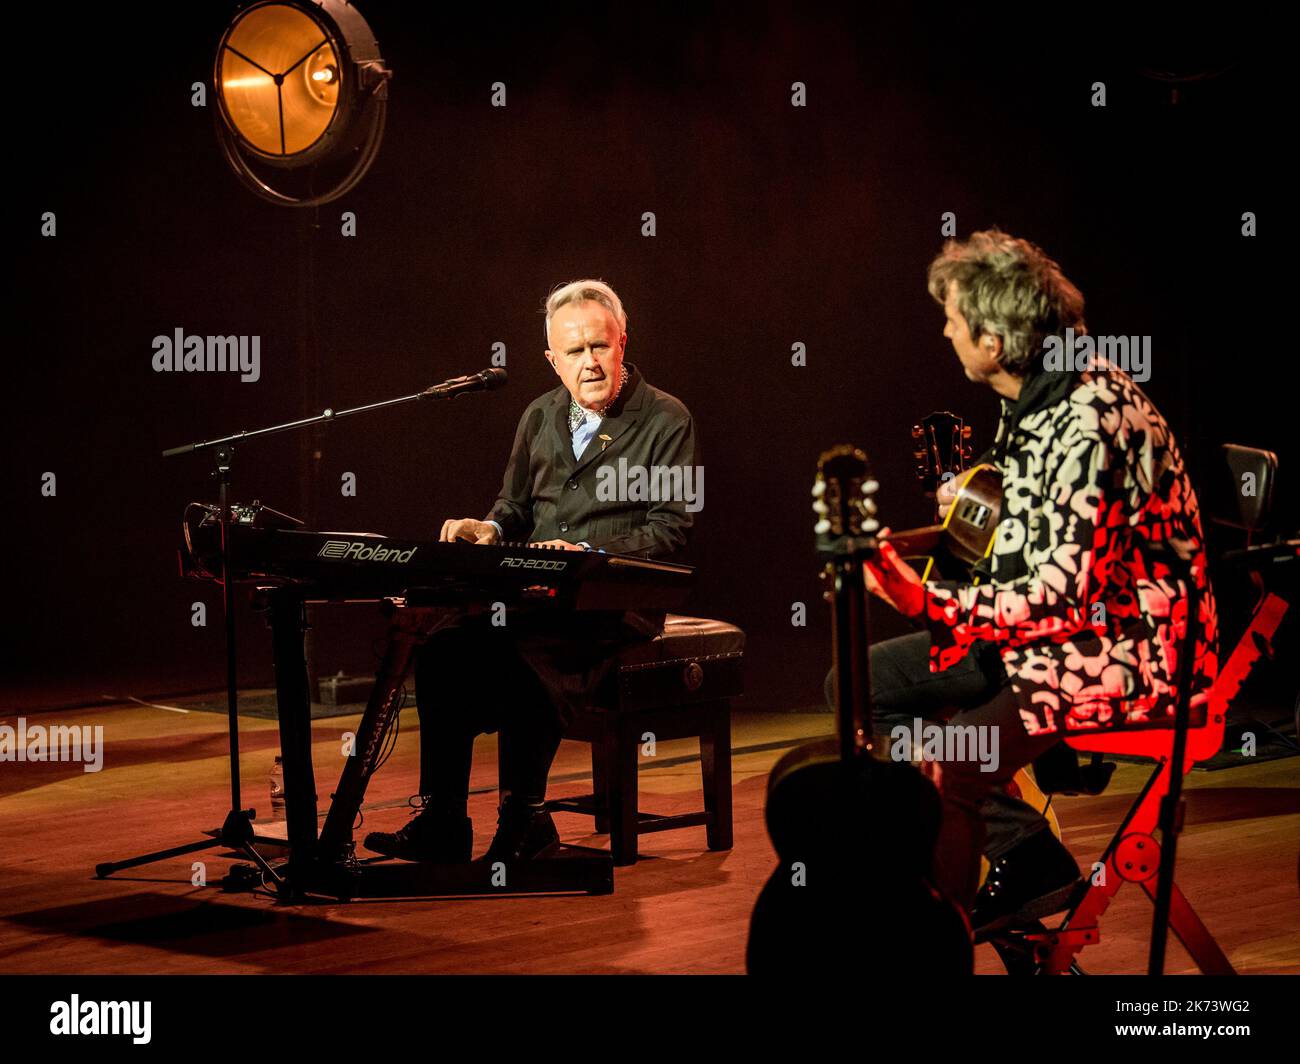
[[852, 663], [913, 542]]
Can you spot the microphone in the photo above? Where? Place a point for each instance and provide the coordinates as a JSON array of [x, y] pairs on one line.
[[484, 381]]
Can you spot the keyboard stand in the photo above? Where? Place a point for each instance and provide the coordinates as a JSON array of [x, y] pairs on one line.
[[323, 862]]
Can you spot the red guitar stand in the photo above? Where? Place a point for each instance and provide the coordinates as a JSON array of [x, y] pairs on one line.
[[1133, 854]]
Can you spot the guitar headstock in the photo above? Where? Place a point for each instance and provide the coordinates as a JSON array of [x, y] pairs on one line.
[[942, 448], [844, 501]]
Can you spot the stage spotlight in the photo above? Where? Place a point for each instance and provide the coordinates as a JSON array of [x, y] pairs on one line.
[[302, 92]]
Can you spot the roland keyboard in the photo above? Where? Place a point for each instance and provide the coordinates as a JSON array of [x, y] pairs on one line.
[[272, 549]]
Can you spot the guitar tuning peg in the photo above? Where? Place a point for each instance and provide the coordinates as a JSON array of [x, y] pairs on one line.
[[870, 487], [870, 525], [916, 432], [818, 488], [869, 507], [822, 527], [965, 432], [820, 508]]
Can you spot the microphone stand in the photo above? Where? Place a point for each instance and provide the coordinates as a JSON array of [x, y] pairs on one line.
[[237, 831]]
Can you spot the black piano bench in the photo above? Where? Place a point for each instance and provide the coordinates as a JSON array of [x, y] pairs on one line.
[[678, 685]]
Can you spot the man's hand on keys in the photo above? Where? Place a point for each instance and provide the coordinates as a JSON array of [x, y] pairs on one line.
[[467, 528], [561, 544]]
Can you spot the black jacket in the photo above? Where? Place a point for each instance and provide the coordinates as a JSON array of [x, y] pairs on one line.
[[548, 494]]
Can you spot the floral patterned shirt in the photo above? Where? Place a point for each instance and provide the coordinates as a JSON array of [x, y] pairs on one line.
[[1087, 600]]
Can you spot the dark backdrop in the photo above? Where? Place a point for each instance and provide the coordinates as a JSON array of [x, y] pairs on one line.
[[776, 225]]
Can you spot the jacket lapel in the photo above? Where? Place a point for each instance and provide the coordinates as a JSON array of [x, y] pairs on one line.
[[563, 438], [625, 413]]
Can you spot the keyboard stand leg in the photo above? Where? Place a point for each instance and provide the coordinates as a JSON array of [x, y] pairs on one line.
[[288, 621], [409, 628]]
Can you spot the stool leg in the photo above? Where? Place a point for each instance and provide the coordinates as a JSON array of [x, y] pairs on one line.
[[1193, 934], [621, 763], [600, 781], [715, 766], [501, 767]]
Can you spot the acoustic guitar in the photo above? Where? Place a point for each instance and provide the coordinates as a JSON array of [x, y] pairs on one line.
[[854, 831], [951, 549]]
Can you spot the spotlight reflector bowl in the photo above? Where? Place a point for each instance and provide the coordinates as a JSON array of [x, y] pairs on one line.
[[300, 86]]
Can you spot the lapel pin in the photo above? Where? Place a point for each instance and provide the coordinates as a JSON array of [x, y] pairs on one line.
[[607, 439]]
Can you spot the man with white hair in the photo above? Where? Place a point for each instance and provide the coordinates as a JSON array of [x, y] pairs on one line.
[[527, 678]]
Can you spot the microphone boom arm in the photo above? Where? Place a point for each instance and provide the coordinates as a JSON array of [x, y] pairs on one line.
[[486, 380]]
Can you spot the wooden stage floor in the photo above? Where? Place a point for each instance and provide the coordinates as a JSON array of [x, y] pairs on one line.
[[680, 909]]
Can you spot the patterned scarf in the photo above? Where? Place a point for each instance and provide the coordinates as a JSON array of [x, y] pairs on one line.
[[578, 414]]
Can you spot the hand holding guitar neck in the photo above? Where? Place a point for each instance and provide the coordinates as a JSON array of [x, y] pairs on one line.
[[968, 502], [894, 581], [945, 496]]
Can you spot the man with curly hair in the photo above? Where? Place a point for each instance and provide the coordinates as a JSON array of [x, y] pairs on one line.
[[1077, 620]]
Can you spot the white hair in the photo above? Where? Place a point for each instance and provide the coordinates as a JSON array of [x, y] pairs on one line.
[[583, 292]]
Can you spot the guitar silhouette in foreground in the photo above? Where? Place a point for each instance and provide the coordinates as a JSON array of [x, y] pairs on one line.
[[854, 831]]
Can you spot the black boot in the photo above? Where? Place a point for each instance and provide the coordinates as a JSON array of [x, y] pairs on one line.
[[524, 830], [437, 832], [1033, 879]]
